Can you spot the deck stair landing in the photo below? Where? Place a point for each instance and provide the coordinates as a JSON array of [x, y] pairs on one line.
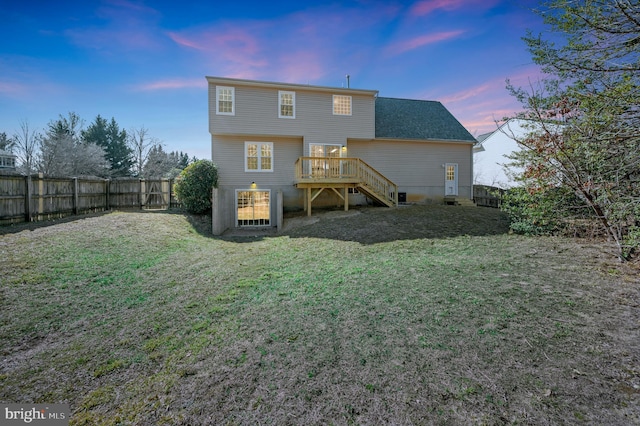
[[316, 174]]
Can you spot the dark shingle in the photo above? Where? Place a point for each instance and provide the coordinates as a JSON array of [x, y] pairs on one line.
[[415, 119]]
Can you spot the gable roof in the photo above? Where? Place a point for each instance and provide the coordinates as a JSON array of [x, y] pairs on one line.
[[417, 120]]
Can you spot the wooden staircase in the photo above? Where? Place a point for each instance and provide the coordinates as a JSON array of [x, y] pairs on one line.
[[315, 174]]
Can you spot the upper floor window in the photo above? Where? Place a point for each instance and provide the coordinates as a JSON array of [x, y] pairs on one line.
[[286, 104], [225, 100], [258, 156], [341, 105]]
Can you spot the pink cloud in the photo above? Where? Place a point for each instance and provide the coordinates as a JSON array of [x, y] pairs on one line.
[[127, 25], [302, 67], [237, 52], [467, 94], [13, 90], [111, 39], [480, 115], [425, 7], [173, 84], [479, 107], [233, 40], [115, 8], [39, 86], [423, 40], [185, 41], [301, 47]]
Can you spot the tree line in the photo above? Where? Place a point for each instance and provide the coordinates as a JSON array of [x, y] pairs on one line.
[[66, 148]]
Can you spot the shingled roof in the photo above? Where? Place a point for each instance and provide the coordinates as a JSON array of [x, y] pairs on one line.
[[417, 120]]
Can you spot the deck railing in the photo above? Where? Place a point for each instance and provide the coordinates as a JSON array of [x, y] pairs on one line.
[[349, 170]]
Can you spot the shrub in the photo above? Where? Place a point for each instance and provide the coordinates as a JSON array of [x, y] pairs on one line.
[[542, 212], [194, 185]]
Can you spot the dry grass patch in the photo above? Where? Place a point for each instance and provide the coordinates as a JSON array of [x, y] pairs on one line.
[[420, 315]]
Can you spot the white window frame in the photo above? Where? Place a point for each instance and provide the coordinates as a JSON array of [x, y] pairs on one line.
[[259, 152], [252, 225], [219, 90], [338, 105], [293, 99], [324, 149]]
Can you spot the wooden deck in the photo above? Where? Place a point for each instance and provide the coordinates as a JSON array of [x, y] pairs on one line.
[[317, 174]]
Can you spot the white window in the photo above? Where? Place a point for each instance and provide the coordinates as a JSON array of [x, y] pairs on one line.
[[341, 105], [286, 104], [328, 163], [225, 100], [258, 156], [325, 150], [253, 207]]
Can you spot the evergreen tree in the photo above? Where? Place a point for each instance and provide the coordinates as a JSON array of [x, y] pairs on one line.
[[161, 164], [113, 140], [158, 163]]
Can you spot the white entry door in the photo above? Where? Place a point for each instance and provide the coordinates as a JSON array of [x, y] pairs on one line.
[[450, 179]]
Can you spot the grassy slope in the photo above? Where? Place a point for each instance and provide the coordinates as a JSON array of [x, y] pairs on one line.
[[436, 316]]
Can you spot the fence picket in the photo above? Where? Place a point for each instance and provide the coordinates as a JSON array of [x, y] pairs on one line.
[[36, 197]]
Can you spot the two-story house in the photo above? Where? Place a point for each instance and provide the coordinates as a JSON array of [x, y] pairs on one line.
[[282, 146]]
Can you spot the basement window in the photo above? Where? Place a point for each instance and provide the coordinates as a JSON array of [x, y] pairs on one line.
[[253, 208]]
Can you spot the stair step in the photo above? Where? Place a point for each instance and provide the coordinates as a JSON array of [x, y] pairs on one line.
[[459, 201], [375, 196]]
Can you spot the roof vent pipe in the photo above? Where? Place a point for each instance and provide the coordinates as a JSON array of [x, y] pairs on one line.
[[348, 77]]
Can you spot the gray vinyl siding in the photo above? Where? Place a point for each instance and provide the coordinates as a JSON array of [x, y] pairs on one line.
[[417, 167], [256, 113], [228, 155]]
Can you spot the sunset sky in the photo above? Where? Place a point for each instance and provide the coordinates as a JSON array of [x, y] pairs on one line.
[[144, 62]]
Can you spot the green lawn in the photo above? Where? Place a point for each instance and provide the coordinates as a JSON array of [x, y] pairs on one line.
[[419, 315]]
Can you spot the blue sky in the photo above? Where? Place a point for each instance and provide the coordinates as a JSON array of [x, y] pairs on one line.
[[144, 62]]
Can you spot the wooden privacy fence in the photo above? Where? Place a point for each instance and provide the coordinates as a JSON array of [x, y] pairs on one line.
[[35, 197], [487, 196]]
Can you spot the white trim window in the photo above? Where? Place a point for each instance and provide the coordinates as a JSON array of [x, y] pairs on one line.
[[341, 105], [286, 104], [225, 100], [258, 156], [253, 207]]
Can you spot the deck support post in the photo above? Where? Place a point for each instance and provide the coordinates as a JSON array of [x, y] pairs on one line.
[[346, 198]]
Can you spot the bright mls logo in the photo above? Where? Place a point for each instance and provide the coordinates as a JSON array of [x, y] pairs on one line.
[[37, 414]]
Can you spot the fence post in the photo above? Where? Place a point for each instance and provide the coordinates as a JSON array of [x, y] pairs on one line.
[[40, 196], [107, 185], [27, 197], [141, 197], [75, 196]]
